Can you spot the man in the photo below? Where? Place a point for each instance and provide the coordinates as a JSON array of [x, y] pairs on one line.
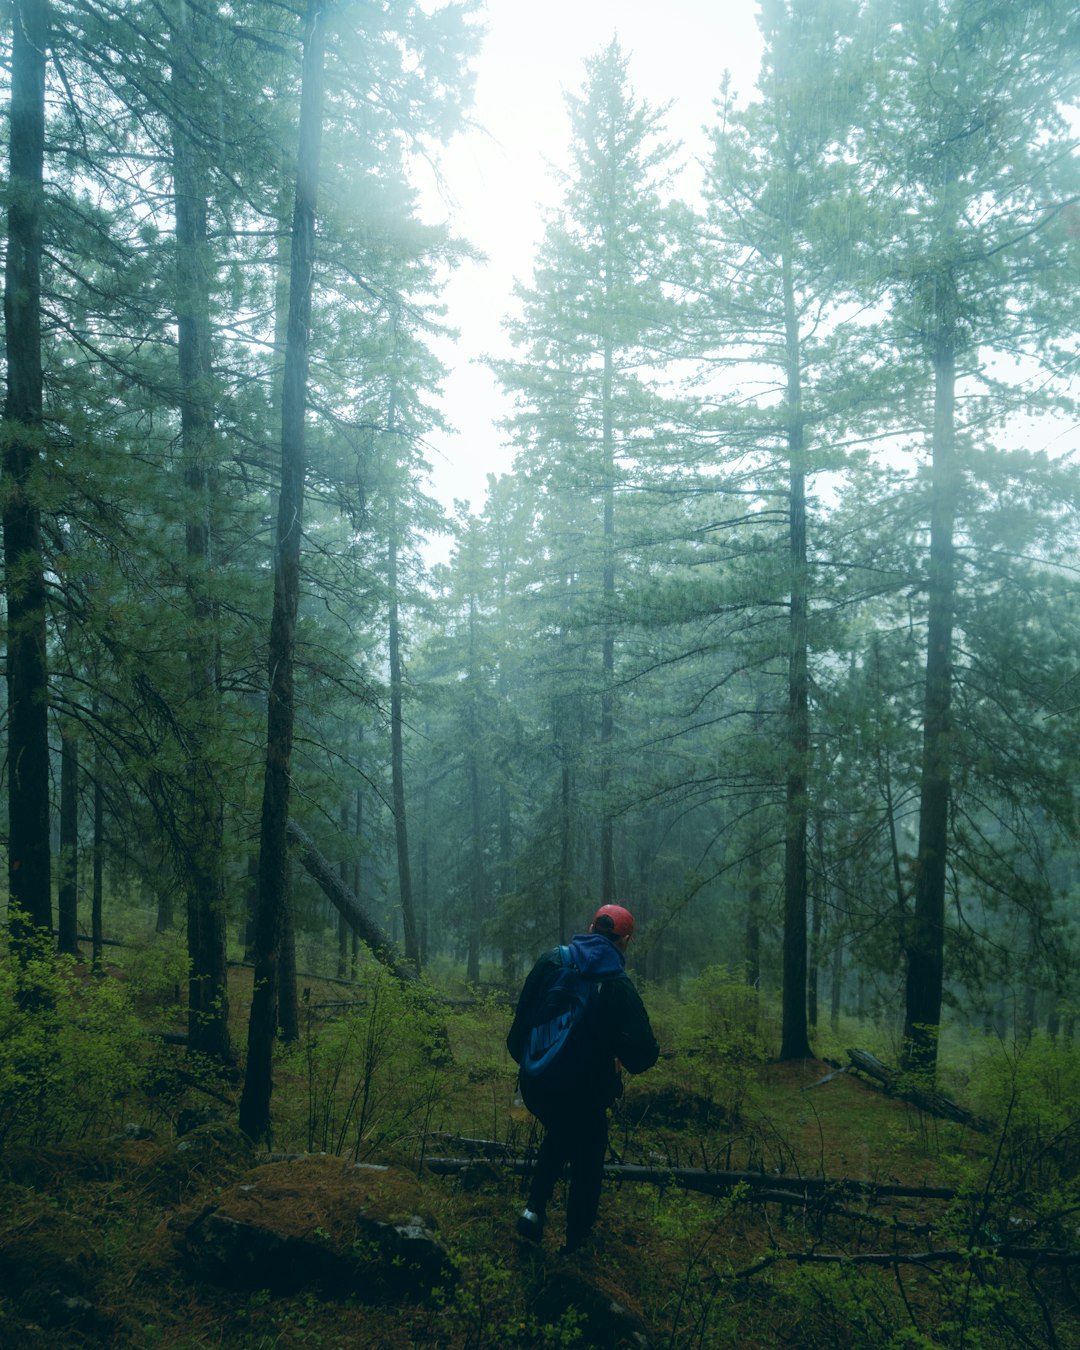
[[575, 1121]]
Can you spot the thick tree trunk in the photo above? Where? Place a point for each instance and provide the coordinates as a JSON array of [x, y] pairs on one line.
[[273, 854], [29, 866]]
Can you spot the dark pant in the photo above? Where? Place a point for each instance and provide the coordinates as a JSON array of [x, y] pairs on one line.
[[575, 1132]]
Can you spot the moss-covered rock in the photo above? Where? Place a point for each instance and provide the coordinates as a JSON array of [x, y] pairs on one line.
[[211, 1155], [49, 1260], [316, 1223]]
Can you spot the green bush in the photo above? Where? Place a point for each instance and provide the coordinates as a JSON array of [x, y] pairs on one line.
[[157, 973], [71, 1049], [720, 1037], [373, 1076], [1037, 1086]]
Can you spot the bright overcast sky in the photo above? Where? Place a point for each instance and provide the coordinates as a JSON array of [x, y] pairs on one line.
[[498, 179]]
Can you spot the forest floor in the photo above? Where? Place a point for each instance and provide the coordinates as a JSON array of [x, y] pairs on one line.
[[777, 1260]]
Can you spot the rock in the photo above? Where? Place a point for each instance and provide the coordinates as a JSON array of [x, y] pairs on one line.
[[207, 1155], [602, 1320], [192, 1117], [132, 1130], [49, 1261], [316, 1223]]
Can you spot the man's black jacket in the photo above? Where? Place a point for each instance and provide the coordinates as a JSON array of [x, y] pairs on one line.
[[619, 1026]]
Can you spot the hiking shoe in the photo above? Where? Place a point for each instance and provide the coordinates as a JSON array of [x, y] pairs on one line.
[[530, 1225]]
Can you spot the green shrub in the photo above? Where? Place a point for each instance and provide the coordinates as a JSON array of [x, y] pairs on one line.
[[71, 1050], [373, 1076], [1037, 1085], [719, 1038], [157, 973]]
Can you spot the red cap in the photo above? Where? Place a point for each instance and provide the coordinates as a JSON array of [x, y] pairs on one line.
[[613, 921]]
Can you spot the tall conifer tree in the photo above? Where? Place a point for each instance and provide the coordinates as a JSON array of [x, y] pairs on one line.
[[593, 327], [970, 147]]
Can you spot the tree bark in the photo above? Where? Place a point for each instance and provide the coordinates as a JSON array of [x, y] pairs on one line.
[[348, 905], [607, 654], [273, 860], [795, 1043], [477, 871], [29, 863], [202, 829], [926, 942], [397, 752], [97, 901], [68, 892]]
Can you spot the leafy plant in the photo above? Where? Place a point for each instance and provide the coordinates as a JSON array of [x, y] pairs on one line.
[[70, 1055], [372, 1076]]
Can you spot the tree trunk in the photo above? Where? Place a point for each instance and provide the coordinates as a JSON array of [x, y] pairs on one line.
[[836, 977], [795, 1043], [288, 1003], [477, 876], [562, 884], [342, 921], [203, 826], [397, 751], [251, 906], [97, 932], [331, 885], [273, 853], [68, 893], [926, 941], [752, 934], [477, 882], [607, 673], [817, 907], [29, 878]]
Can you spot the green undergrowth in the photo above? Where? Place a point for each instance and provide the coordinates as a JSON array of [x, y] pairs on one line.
[[95, 1185]]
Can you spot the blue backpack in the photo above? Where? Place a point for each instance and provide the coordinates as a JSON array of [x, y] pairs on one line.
[[557, 1049]]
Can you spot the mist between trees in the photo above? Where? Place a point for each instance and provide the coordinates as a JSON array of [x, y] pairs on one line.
[[771, 631]]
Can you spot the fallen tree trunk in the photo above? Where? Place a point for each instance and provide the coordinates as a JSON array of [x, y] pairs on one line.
[[936, 1103], [369, 932], [1051, 1256], [786, 1189], [346, 903]]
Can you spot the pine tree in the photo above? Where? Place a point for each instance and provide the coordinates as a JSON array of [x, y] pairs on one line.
[[592, 330], [29, 870], [780, 214], [971, 149]]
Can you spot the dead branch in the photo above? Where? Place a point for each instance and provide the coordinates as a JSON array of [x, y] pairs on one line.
[[936, 1103], [787, 1190], [343, 899], [1056, 1256]]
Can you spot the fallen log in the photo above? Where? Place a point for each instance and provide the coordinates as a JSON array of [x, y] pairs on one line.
[[369, 932], [1051, 1256], [346, 903], [788, 1189], [935, 1103]]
